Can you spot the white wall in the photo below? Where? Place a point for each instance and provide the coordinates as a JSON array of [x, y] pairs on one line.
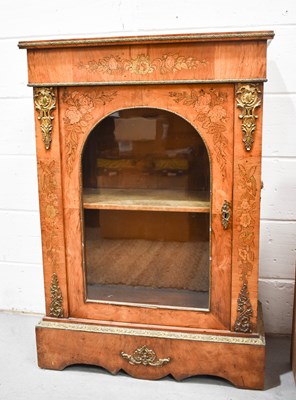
[[21, 284]]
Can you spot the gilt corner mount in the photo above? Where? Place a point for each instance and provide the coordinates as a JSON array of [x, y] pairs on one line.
[[45, 103], [248, 97], [56, 305]]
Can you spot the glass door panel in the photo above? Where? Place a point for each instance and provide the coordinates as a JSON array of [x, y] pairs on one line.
[[146, 207]]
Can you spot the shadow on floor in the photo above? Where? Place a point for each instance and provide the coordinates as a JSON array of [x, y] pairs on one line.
[[277, 360]]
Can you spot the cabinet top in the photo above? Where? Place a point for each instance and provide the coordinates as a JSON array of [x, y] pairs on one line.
[[153, 39], [163, 59]]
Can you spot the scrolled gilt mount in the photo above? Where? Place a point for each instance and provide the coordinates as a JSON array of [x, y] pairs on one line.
[[248, 97], [45, 103], [145, 356]]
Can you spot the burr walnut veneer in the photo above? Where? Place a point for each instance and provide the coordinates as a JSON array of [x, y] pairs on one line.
[[149, 168]]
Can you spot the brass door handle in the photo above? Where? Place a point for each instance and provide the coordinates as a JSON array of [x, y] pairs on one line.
[[226, 214]]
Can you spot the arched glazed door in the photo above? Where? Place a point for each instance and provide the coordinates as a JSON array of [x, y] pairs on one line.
[[147, 174]]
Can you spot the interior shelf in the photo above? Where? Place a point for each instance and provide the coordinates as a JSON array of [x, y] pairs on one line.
[[146, 200]]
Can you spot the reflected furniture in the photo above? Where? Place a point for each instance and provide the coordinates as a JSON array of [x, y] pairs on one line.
[[149, 168]]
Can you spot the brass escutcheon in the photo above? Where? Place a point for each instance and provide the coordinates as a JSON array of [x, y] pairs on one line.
[[226, 214]]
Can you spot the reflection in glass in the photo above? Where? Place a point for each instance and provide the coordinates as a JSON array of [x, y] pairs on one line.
[[146, 202]]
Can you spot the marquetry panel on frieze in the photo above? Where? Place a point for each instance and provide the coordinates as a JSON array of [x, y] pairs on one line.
[[145, 62]]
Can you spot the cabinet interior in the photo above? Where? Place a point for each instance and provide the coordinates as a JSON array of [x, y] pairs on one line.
[[146, 211]]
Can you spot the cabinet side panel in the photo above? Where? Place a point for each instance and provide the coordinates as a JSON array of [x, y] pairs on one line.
[[50, 200], [246, 205]]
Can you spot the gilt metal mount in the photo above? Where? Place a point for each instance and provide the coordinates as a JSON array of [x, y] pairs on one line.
[[248, 97], [244, 311], [145, 356], [45, 103], [56, 306]]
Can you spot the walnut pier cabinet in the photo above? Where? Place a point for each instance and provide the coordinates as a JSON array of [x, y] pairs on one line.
[[149, 168]]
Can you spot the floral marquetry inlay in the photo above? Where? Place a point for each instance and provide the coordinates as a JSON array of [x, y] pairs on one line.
[[211, 114], [246, 243], [142, 64], [78, 114], [48, 192], [245, 212]]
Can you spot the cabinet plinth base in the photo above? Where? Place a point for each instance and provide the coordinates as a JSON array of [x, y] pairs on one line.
[[152, 354]]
